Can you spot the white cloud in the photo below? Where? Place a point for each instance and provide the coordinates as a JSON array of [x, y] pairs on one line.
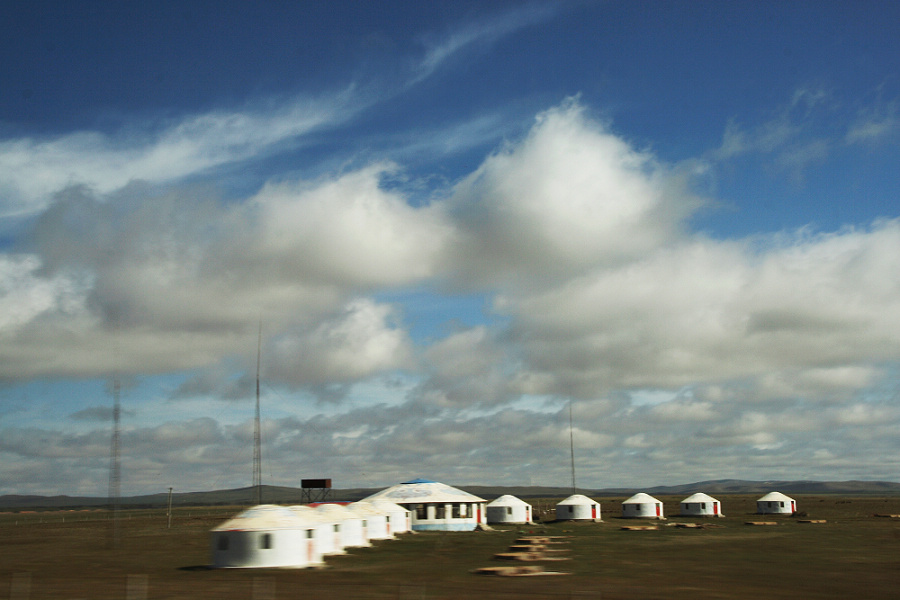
[[348, 231], [570, 196], [599, 289], [359, 342], [713, 311], [483, 32], [32, 170]]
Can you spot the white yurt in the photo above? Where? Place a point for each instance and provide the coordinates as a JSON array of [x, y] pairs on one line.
[[377, 520], [350, 525], [642, 506], [578, 507], [701, 505], [399, 519], [435, 506], [328, 531], [265, 536], [508, 509], [776, 503]]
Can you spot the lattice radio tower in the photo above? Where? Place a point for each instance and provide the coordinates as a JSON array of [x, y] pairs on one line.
[[572, 448], [257, 438], [115, 473]]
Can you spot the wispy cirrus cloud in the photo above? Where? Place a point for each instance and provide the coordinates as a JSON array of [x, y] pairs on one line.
[[32, 169], [482, 32]]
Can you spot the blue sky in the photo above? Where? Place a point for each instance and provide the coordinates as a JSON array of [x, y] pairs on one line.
[[452, 220]]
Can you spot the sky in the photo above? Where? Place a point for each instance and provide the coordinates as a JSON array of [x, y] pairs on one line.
[[465, 237]]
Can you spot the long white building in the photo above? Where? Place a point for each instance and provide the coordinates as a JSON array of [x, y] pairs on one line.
[[435, 506]]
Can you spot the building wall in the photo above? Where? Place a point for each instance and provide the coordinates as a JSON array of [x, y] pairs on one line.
[[464, 516], [778, 507], [577, 512], [701, 509], [643, 510], [508, 514], [257, 549]]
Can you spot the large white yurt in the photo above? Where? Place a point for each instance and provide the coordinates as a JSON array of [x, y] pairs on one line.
[[328, 531], [399, 519], [642, 506], [377, 527], [776, 503], [508, 509], [578, 507], [435, 506], [350, 525], [701, 505], [265, 536]]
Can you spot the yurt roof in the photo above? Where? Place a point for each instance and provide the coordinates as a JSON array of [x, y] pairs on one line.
[[699, 497], [387, 505], [263, 517], [364, 507], [508, 500], [640, 498], [577, 499], [423, 490], [338, 511], [774, 497], [308, 512]]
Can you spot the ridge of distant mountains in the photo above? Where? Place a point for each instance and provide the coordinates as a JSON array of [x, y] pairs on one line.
[[289, 495]]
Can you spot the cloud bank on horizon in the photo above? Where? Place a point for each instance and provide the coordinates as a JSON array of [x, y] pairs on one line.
[[434, 294]]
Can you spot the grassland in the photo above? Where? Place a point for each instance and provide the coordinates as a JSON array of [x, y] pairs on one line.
[[71, 555]]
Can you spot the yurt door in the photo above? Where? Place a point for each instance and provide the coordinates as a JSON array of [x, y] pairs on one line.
[[657, 509], [716, 508]]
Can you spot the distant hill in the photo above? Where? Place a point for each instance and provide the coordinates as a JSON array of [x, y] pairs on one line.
[[289, 495]]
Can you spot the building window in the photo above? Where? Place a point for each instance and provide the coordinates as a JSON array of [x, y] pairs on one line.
[[309, 534], [703, 506], [509, 510], [782, 504], [337, 528], [422, 512], [440, 511], [223, 542], [456, 510], [265, 542]]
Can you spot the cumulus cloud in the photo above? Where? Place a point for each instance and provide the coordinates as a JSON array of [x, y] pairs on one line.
[[568, 197], [599, 293], [713, 311], [359, 342], [151, 283]]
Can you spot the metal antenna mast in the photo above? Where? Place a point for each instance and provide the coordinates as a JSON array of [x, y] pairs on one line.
[[257, 441], [572, 447], [115, 474]]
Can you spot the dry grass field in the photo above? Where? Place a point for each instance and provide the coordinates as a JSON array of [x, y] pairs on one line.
[[70, 555]]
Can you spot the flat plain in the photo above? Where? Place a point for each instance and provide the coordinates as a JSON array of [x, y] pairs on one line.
[[68, 555]]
